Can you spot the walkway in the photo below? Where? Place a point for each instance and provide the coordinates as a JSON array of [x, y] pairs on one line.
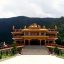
[[33, 59], [35, 50]]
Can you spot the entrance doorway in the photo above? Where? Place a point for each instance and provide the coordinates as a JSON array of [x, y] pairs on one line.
[[43, 42], [34, 42], [26, 42]]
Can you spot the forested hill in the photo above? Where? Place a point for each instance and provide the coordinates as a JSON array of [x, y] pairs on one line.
[[20, 21]]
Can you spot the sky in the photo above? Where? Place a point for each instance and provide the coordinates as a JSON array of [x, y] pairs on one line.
[[31, 8]]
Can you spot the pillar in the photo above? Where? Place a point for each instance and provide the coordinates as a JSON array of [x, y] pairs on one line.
[[24, 33], [45, 42], [40, 42], [21, 42], [48, 42], [39, 33], [29, 34], [24, 42], [29, 42], [44, 34], [54, 41]]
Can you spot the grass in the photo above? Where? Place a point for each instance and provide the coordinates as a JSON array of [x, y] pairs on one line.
[[4, 56], [61, 56]]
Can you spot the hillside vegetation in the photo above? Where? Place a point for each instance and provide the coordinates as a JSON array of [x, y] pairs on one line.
[[20, 21]]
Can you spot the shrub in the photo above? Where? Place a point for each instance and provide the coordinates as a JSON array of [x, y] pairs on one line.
[[56, 50], [1, 55], [14, 49]]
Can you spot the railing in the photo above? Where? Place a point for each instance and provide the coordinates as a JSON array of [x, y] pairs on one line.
[[17, 30], [53, 32], [52, 29], [53, 46], [28, 36], [35, 36], [52, 36], [9, 47], [7, 52], [35, 29]]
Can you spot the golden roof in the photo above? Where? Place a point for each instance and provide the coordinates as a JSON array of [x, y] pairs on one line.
[[34, 25]]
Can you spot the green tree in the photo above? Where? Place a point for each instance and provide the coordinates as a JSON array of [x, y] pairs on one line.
[[14, 49], [0, 54], [56, 50]]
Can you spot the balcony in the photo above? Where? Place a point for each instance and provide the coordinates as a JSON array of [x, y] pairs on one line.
[[52, 38], [52, 32], [17, 30], [30, 37], [51, 44]]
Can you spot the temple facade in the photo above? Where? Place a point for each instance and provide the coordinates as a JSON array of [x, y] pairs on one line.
[[34, 35]]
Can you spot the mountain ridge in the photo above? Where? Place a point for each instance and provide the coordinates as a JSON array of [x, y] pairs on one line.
[[20, 21]]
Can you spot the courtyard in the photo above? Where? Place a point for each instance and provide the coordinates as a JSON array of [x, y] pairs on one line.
[[33, 59], [33, 55]]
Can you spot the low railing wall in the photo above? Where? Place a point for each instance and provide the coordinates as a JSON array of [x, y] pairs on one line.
[[9, 50]]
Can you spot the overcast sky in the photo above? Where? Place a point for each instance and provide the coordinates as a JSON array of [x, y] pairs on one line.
[[31, 8]]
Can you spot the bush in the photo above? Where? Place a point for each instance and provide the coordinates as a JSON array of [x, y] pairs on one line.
[[0, 56], [19, 50], [56, 50], [50, 50], [14, 49], [6, 53]]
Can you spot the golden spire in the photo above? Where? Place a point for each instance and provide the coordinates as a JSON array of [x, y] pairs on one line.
[[34, 24]]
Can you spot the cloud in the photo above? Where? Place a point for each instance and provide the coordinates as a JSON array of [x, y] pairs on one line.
[[31, 8]]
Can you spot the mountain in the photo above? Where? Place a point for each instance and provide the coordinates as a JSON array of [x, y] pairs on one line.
[[20, 21]]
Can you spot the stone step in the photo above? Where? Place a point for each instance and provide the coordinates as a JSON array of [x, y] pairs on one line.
[[35, 50]]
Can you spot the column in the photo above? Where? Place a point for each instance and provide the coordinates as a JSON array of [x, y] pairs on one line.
[[54, 42], [21, 42], [24, 42], [56, 34], [24, 33], [40, 42], [48, 42], [29, 33], [29, 42], [44, 34], [45, 42], [39, 33]]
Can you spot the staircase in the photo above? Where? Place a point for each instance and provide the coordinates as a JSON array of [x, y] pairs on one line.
[[35, 50]]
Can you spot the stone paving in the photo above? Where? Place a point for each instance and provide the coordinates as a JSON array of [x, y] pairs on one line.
[[34, 55], [33, 59], [35, 50]]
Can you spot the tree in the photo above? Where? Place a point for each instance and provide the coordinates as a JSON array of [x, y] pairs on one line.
[[0, 54], [56, 50], [14, 49]]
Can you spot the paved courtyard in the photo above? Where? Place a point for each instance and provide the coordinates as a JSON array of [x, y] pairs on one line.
[[34, 55], [33, 59], [35, 50]]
